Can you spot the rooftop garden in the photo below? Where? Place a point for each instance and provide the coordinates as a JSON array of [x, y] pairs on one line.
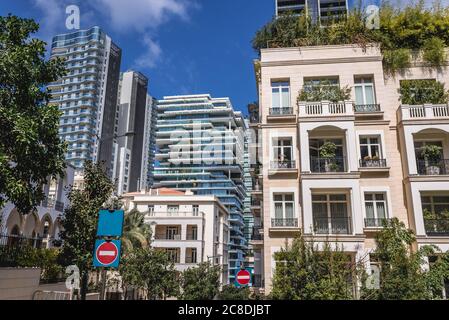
[[403, 34]]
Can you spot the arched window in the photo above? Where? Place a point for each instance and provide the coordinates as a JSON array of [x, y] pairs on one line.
[[13, 239]]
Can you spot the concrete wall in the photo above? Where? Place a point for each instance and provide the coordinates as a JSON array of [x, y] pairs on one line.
[[18, 284]]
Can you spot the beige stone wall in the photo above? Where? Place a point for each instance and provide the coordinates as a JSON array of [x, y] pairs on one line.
[[346, 62]]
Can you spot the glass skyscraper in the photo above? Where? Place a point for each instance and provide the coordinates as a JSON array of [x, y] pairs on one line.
[[87, 95], [200, 144]]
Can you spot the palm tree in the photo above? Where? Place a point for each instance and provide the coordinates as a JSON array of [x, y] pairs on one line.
[[136, 233]]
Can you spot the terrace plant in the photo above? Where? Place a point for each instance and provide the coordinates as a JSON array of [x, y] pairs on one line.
[[328, 153], [403, 32], [422, 91], [324, 92], [431, 152]]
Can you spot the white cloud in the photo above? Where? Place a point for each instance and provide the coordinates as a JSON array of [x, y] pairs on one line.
[[53, 16], [151, 55], [142, 15]]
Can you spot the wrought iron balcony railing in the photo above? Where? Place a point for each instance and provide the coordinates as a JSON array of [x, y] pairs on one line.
[[284, 222], [375, 222], [283, 164], [332, 225], [367, 108], [325, 165], [373, 163], [281, 111], [437, 227], [433, 168]]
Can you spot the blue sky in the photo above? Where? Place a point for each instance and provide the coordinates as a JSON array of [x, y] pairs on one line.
[[183, 46]]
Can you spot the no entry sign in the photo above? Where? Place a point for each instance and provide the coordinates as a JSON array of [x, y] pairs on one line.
[[243, 277], [107, 254]]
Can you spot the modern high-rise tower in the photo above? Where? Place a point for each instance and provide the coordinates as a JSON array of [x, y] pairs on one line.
[[133, 130], [87, 95], [319, 10], [200, 142]]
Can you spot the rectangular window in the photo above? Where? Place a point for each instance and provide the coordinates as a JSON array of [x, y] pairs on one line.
[[280, 95], [284, 211], [331, 213], [173, 254], [283, 150], [151, 210], [173, 210], [370, 147], [172, 233], [196, 210], [376, 209], [435, 204], [364, 91]]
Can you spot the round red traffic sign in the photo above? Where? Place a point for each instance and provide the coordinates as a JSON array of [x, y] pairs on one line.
[[243, 277], [107, 253]]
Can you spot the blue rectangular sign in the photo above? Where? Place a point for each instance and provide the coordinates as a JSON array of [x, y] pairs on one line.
[[110, 223], [107, 253]]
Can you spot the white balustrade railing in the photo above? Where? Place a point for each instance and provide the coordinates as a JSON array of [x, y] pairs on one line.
[[326, 109], [424, 111]]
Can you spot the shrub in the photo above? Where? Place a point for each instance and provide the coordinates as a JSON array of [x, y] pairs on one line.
[[324, 92], [434, 51], [397, 59], [417, 92], [231, 292]]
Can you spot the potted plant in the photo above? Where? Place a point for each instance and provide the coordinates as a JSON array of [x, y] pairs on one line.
[[328, 152], [368, 161], [432, 155]]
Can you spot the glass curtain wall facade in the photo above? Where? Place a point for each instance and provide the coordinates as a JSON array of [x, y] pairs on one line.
[[200, 145]]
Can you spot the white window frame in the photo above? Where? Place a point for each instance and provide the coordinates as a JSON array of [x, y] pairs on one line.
[[374, 202], [369, 144], [284, 202], [290, 190], [363, 84], [280, 86], [372, 133], [278, 144], [377, 189]]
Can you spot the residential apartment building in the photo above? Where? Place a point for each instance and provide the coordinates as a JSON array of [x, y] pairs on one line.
[[134, 133], [191, 228], [200, 147], [43, 225], [336, 170], [87, 95], [318, 10]]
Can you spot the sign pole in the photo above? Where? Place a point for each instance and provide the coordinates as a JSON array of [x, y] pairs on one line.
[[103, 284]]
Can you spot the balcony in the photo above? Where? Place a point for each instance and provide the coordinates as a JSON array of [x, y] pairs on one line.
[[433, 168], [284, 223], [375, 222], [331, 165], [281, 114], [437, 227], [368, 111], [423, 112], [325, 109], [330, 226], [175, 215], [282, 167]]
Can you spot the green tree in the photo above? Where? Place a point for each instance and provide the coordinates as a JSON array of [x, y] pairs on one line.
[[306, 271], [30, 149], [231, 292], [402, 276], [136, 233], [200, 283], [79, 220], [152, 271]]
